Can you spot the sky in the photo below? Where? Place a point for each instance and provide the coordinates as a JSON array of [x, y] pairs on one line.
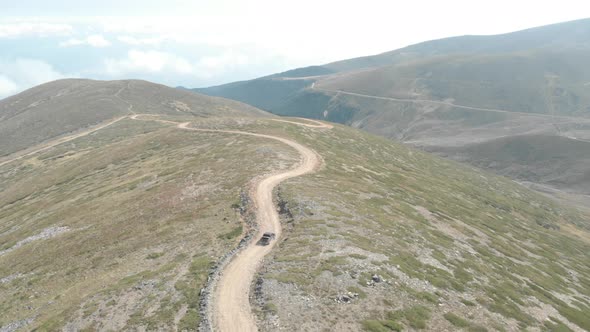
[[202, 43]]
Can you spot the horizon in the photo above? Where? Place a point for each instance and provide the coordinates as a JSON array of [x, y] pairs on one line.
[[198, 44]]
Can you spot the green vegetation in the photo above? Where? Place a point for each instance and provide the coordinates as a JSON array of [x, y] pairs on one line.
[[234, 233], [415, 317], [381, 326], [190, 289], [155, 255], [456, 320], [555, 325]]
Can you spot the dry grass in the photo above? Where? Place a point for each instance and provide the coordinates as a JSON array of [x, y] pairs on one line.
[[142, 201]]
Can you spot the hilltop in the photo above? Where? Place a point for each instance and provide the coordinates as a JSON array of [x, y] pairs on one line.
[[120, 229], [54, 109]]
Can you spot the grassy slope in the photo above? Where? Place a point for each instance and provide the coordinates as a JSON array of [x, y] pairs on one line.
[[147, 207], [56, 108], [264, 93], [546, 82], [449, 240], [557, 161]]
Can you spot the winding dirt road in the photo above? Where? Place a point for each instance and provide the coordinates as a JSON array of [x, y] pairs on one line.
[[231, 304]]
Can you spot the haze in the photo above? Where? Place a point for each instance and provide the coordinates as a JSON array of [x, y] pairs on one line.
[[203, 43]]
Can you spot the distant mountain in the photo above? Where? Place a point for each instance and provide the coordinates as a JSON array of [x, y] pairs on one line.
[[560, 36], [56, 108], [448, 93]]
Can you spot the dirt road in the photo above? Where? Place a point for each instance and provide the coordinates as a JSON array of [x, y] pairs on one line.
[[316, 124], [230, 310], [446, 103], [231, 307], [61, 140]]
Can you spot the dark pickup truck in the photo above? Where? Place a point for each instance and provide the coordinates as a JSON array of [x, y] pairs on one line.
[[265, 239]]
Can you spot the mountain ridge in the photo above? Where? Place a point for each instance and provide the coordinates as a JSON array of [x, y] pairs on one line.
[[52, 109]]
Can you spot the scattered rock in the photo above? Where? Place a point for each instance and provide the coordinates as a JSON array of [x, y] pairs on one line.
[[346, 298], [13, 326], [45, 234], [145, 284], [11, 278], [377, 278]]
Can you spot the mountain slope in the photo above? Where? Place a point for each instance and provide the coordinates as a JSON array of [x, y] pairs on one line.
[[56, 108], [400, 239], [557, 161], [446, 94], [564, 37], [120, 230], [545, 82]]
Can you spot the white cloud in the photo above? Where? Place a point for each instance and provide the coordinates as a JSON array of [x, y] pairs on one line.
[[140, 41], [225, 60], [42, 29], [21, 74], [92, 40], [149, 61], [7, 87]]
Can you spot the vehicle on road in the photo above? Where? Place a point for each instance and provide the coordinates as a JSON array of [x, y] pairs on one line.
[[266, 238]]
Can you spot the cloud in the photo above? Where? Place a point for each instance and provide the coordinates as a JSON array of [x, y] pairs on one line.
[[140, 41], [149, 61], [92, 40], [21, 74], [223, 61], [7, 86], [41, 29]]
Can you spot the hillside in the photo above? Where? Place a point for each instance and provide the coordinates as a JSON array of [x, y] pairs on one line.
[[544, 82], [452, 92], [120, 229], [564, 37], [57, 108], [557, 161]]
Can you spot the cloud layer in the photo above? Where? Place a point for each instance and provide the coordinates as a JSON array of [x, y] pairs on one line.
[[20, 74], [22, 29], [92, 40]]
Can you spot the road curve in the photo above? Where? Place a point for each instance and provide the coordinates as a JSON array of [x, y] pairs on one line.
[[316, 124], [231, 304], [231, 307]]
